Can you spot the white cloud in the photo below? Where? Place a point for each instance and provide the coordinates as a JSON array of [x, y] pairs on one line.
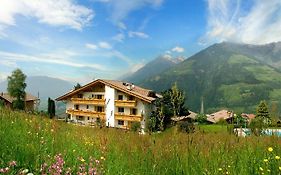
[[228, 21], [3, 76], [53, 12], [104, 45], [120, 9], [167, 56], [121, 25], [91, 46], [138, 34], [178, 49], [119, 37], [47, 58], [8, 63]]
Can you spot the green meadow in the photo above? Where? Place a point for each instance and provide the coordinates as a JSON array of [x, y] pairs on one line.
[[38, 145]]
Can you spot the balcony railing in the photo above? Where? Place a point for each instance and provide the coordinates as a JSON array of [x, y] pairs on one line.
[[88, 101], [125, 103], [128, 117], [86, 113]]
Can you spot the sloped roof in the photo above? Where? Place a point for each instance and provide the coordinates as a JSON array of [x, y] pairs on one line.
[[248, 116], [223, 114], [7, 97], [144, 94], [192, 115]]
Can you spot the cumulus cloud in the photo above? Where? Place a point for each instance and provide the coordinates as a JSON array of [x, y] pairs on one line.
[[138, 35], [104, 45], [178, 49], [229, 21], [91, 46], [52, 12]]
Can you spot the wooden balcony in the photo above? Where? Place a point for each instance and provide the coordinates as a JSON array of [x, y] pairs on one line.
[[87, 101], [86, 113], [128, 117], [125, 103]]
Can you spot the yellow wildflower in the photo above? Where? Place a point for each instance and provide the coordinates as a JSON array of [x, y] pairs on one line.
[[261, 168], [270, 149], [220, 169], [265, 160], [82, 160], [277, 157], [102, 158], [280, 168]]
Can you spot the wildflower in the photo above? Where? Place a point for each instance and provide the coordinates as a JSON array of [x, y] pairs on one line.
[[30, 174], [12, 163], [24, 171], [261, 168], [82, 160], [102, 158], [265, 160], [228, 166], [277, 157], [270, 149], [52, 130], [73, 150], [220, 169], [268, 170], [227, 172], [280, 168]]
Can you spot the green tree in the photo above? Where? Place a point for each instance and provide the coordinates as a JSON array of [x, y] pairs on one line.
[[177, 100], [171, 104], [201, 118], [16, 88], [77, 86], [262, 113]]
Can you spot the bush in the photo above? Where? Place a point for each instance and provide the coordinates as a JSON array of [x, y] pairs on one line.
[[136, 126], [257, 126], [186, 127], [201, 119]]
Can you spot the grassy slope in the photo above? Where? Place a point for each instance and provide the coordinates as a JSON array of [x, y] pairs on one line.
[[32, 140], [224, 78]]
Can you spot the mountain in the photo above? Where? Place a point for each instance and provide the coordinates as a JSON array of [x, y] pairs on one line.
[[45, 86], [230, 75], [152, 68]]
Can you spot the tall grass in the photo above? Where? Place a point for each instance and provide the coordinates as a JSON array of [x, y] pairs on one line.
[[32, 141]]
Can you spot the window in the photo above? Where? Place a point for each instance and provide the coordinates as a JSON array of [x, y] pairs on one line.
[[88, 118], [99, 109], [80, 118], [92, 95], [120, 122], [77, 107], [120, 110], [99, 96], [80, 95], [120, 97], [133, 111], [131, 98], [87, 106]]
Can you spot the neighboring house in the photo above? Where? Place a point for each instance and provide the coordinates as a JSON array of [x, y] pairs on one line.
[[30, 101], [221, 115], [248, 117], [191, 117], [110, 102]]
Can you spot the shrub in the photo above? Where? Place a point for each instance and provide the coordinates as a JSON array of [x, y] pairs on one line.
[[256, 126], [201, 119], [186, 127], [135, 126]]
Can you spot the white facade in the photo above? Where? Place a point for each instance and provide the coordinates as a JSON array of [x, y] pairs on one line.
[[118, 109], [109, 106]]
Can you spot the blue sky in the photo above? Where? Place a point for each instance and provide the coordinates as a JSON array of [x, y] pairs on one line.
[[82, 40]]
